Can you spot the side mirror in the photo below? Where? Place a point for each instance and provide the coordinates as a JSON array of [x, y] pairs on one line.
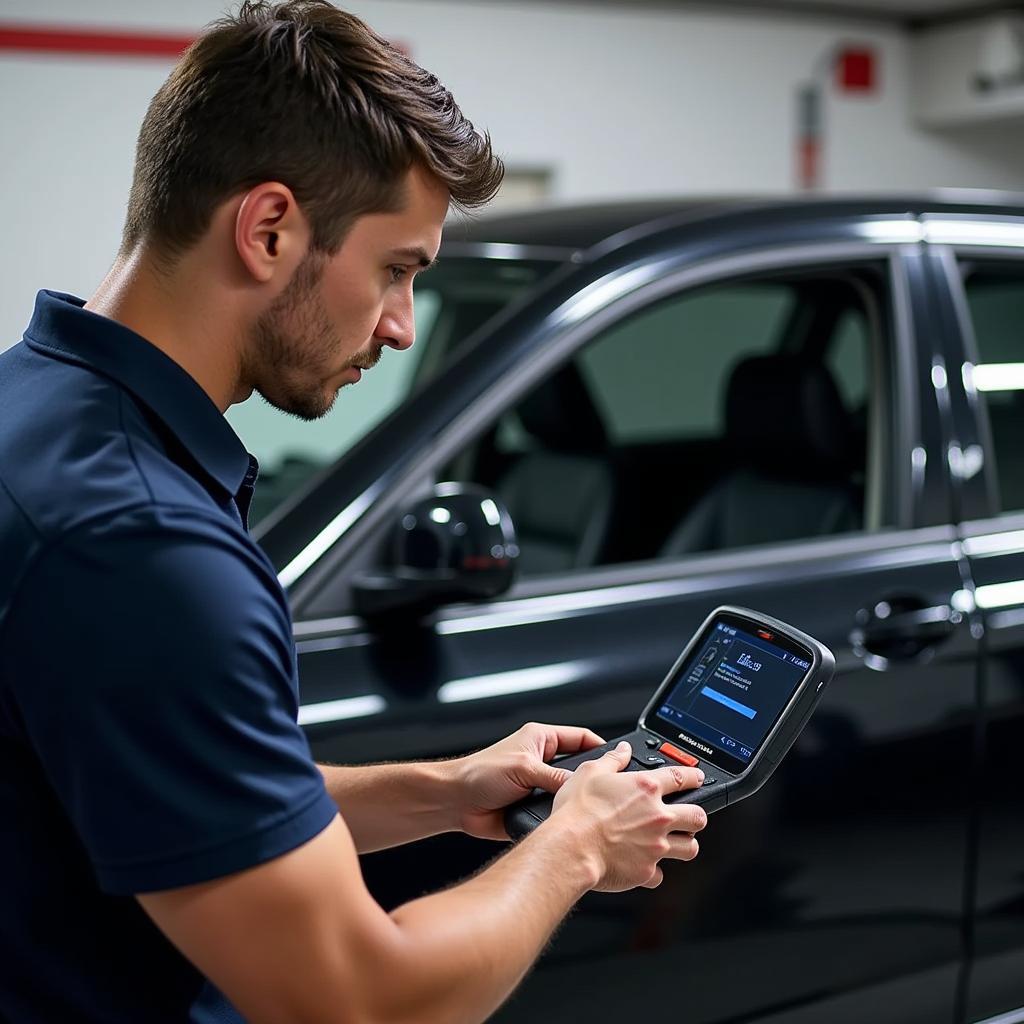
[[456, 545]]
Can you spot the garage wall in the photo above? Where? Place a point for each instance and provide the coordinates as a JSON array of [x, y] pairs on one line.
[[615, 100]]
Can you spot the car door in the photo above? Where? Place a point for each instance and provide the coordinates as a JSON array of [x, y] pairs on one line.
[[983, 279], [838, 890]]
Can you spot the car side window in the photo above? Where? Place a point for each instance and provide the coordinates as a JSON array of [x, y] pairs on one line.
[[635, 372], [995, 298], [727, 416]]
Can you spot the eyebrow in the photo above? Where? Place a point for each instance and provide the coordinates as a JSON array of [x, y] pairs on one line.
[[416, 254]]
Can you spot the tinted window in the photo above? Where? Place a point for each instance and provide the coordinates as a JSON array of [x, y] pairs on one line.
[[995, 296], [724, 417], [640, 370], [847, 357]]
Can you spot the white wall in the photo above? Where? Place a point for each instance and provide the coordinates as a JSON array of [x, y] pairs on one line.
[[619, 100]]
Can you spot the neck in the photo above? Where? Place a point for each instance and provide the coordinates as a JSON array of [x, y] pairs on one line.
[[176, 313]]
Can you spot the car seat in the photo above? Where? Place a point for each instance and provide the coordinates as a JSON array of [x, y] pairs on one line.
[[789, 440], [560, 494]]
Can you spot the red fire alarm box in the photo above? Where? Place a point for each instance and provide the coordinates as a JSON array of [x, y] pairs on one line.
[[856, 69]]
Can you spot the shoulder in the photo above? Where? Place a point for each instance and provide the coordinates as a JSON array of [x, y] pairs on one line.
[[76, 444], [63, 446]]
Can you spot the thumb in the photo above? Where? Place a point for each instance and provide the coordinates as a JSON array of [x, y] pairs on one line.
[[618, 757]]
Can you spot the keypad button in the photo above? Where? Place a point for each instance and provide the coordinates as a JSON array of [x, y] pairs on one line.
[[654, 761], [679, 755]]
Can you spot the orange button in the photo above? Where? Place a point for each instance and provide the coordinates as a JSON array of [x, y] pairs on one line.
[[678, 755]]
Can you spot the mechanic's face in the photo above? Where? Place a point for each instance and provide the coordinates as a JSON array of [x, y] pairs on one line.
[[339, 312]]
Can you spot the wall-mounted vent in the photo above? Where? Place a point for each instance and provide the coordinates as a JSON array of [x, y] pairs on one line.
[[969, 72]]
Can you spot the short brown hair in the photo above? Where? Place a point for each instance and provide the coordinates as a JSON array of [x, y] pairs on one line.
[[305, 94]]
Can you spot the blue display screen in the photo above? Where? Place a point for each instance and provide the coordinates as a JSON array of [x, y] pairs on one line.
[[730, 694]]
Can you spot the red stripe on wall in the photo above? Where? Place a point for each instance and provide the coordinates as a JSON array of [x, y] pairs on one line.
[[47, 39]]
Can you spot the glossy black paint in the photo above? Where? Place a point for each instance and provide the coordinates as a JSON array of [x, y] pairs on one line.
[[877, 875]]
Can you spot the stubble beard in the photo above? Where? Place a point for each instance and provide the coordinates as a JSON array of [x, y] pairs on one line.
[[293, 339]]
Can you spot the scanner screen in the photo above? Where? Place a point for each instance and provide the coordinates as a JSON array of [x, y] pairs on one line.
[[727, 697]]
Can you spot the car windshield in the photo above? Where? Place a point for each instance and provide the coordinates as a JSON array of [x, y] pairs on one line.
[[452, 300]]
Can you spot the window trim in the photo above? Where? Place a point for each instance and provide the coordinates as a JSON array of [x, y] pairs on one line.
[[952, 259], [544, 598], [610, 586]]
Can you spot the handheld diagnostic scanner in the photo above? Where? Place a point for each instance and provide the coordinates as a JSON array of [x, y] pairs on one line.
[[732, 705]]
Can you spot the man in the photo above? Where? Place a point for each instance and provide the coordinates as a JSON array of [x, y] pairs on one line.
[[169, 851]]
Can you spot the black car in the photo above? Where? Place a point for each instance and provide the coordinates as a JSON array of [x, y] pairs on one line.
[[811, 408]]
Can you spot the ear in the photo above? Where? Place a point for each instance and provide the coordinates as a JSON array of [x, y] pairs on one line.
[[271, 232]]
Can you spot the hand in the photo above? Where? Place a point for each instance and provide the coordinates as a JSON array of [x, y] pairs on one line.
[[624, 820], [499, 775]]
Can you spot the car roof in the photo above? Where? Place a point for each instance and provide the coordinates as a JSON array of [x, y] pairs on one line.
[[581, 226]]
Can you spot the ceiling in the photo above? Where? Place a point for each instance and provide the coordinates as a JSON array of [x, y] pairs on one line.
[[896, 10], [912, 12]]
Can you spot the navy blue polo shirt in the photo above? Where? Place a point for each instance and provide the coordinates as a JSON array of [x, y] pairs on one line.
[[148, 692]]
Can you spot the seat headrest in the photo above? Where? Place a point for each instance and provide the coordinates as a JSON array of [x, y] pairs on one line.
[[562, 416], [785, 417]]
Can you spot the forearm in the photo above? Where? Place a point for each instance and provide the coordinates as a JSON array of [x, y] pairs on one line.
[[461, 952], [390, 804]]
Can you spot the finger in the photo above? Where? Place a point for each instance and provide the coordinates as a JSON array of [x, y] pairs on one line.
[[682, 847], [613, 760], [568, 739], [546, 777], [688, 817], [655, 880], [674, 778]]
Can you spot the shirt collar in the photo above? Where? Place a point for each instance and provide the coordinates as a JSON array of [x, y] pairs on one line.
[[63, 328]]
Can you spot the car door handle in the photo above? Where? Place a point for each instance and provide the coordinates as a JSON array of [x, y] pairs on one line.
[[898, 629]]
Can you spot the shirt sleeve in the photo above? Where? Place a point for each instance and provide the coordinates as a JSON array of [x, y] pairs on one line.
[[154, 672]]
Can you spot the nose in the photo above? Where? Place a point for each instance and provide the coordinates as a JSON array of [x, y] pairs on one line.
[[397, 325]]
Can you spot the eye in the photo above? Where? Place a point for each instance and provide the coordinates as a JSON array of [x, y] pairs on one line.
[[397, 273]]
